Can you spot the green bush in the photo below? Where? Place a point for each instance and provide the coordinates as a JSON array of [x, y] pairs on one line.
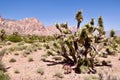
[[27, 40], [40, 71], [17, 71], [2, 52], [2, 67], [30, 59], [12, 60], [3, 76], [14, 38]]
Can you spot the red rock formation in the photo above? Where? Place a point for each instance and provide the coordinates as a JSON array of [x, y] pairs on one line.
[[27, 26]]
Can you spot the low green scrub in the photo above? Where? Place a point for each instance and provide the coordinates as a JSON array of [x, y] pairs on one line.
[[3, 76], [17, 47], [14, 38], [2, 67]]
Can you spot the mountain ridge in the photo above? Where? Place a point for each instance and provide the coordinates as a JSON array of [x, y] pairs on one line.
[[32, 26]]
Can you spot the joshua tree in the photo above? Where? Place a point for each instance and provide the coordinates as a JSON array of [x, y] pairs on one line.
[[79, 18], [78, 50]]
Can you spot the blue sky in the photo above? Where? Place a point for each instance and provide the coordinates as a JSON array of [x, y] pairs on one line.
[[51, 11]]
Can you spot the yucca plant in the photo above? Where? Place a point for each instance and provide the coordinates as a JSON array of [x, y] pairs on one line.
[[75, 47], [78, 49]]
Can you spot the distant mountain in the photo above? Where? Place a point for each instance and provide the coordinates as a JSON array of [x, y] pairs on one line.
[[28, 26], [25, 26], [32, 26]]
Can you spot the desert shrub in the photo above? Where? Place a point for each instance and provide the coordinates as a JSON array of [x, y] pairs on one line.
[[91, 77], [28, 40], [46, 46], [12, 60], [59, 75], [2, 52], [2, 67], [1, 46], [8, 43], [2, 43], [46, 38], [17, 47], [29, 48], [107, 76], [15, 37], [21, 43], [30, 59], [119, 58], [16, 71], [16, 53], [49, 52], [37, 45], [40, 71], [44, 56], [3, 76], [26, 52]]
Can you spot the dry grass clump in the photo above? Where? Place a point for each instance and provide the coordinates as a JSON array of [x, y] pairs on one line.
[[16, 53], [108, 76], [91, 77], [8, 43], [16, 71], [17, 48], [2, 52], [40, 71], [2, 67], [30, 59], [21, 43], [59, 75]]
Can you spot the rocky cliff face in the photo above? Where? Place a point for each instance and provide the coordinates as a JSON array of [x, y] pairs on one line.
[[27, 26]]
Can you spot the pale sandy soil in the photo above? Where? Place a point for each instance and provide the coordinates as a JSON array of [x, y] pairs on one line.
[[28, 70]]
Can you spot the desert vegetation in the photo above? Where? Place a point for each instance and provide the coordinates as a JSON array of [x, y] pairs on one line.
[[83, 52]]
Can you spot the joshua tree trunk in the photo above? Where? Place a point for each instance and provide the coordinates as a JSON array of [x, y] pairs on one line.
[[78, 25]]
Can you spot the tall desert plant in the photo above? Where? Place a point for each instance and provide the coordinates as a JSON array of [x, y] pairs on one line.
[[79, 18]]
